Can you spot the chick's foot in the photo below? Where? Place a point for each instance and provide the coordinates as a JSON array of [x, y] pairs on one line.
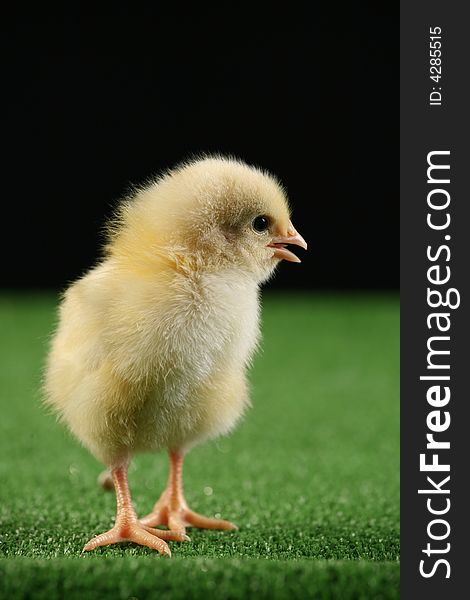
[[139, 534], [172, 510], [128, 528], [176, 515]]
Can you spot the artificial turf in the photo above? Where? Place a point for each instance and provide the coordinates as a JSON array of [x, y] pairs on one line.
[[311, 476]]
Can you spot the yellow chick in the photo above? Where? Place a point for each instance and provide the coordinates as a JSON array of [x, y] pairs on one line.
[[153, 343]]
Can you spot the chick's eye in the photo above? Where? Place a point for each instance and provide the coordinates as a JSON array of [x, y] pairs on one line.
[[260, 223]]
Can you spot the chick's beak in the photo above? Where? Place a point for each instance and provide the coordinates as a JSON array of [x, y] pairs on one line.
[[279, 244]]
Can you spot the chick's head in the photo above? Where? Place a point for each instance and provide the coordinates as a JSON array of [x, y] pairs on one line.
[[214, 214]]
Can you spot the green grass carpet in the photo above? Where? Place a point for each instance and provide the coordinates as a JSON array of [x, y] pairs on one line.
[[311, 476]]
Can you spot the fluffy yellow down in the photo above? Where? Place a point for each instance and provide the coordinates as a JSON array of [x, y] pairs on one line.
[[152, 345]]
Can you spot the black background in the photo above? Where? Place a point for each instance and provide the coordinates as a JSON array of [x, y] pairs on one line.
[[94, 102]]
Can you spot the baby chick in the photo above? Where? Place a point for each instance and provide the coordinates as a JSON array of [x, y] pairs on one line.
[[153, 343]]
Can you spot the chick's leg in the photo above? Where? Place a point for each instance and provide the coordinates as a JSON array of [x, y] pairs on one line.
[[171, 508], [127, 528]]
